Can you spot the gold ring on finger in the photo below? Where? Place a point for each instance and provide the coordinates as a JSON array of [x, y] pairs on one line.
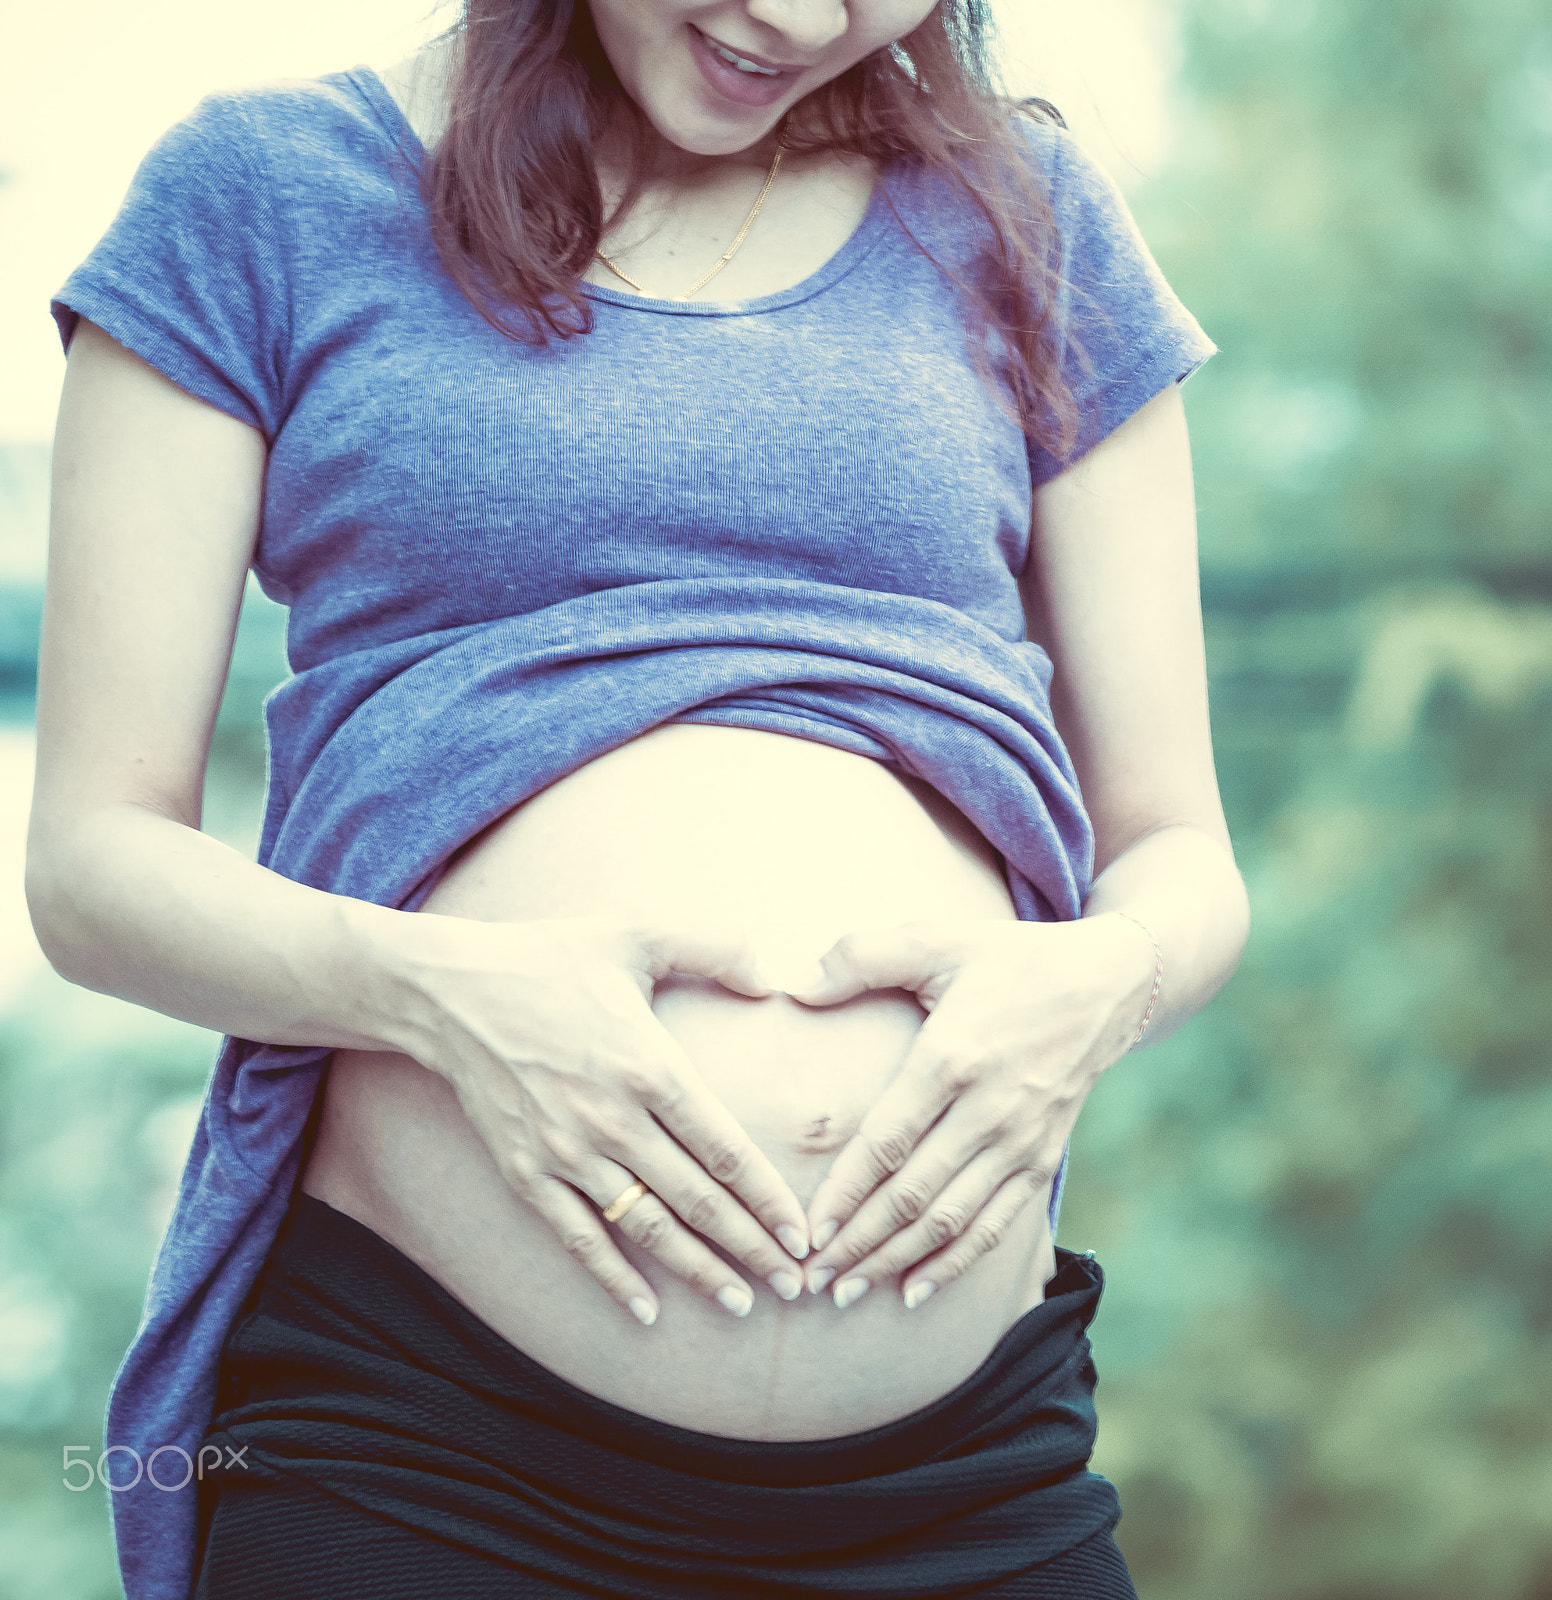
[[614, 1212]]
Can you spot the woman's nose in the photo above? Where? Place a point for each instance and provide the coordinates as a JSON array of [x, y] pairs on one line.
[[806, 25]]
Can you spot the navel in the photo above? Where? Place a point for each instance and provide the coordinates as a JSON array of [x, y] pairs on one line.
[[822, 1134]]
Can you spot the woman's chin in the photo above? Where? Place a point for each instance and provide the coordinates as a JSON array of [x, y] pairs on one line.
[[705, 134]]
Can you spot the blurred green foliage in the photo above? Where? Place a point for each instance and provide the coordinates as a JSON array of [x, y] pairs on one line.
[[97, 1106], [1325, 1209]]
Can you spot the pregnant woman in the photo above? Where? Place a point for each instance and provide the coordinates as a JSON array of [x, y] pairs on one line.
[[687, 436]]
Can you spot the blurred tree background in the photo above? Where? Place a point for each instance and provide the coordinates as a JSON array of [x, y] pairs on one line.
[[1325, 1209]]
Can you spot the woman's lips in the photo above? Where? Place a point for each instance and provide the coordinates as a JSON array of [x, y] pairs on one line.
[[743, 88]]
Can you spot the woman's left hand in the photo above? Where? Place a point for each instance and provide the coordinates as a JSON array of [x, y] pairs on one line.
[[1024, 1019]]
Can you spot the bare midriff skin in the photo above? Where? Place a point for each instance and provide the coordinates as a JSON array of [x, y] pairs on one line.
[[801, 842]]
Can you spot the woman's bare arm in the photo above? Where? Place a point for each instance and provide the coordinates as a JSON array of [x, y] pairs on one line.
[[1025, 1017], [156, 507], [155, 510], [1112, 591]]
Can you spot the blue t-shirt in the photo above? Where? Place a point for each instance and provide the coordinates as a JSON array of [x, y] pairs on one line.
[[804, 512]]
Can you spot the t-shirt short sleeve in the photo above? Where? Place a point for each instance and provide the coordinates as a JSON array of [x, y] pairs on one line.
[[1125, 334], [190, 275]]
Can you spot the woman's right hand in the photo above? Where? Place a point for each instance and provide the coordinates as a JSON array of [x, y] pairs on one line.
[[546, 1032]]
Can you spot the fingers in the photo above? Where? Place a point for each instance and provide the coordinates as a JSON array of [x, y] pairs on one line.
[[919, 956], [984, 1234], [667, 1085], [710, 1212], [653, 1227], [723, 951], [967, 1220], [748, 1207], [886, 1137], [907, 1197], [585, 1236]]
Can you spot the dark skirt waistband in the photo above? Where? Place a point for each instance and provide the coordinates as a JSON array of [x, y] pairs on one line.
[[355, 1372]]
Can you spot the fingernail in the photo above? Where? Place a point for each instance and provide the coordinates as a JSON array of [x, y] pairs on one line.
[[824, 1233], [645, 1312], [917, 1293], [787, 1284], [818, 1278], [739, 1301], [807, 979], [848, 1290], [792, 1241]]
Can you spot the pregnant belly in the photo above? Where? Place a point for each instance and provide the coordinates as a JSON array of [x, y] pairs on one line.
[[800, 842]]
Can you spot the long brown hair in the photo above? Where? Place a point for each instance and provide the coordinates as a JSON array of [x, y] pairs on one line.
[[517, 210]]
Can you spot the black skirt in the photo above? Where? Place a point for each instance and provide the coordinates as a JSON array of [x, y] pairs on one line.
[[387, 1443]]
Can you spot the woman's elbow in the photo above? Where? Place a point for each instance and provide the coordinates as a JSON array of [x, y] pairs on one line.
[[61, 922], [1237, 918]]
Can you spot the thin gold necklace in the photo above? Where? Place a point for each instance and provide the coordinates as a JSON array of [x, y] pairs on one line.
[[726, 256]]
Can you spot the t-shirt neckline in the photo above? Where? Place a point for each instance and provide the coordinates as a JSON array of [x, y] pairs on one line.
[[370, 86]]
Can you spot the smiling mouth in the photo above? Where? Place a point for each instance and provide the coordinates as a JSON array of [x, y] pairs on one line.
[[743, 63]]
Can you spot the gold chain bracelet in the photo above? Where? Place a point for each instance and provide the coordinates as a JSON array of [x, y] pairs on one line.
[[1158, 979]]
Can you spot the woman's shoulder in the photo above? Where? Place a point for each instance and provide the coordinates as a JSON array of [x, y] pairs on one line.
[[1075, 183], [1080, 190], [1041, 133], [255, 191], [1091, 224], [298, 129], [1039, 150]]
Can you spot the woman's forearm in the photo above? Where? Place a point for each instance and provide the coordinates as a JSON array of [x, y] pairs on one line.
[[1182, 885], [132, 903], [541, 1027]]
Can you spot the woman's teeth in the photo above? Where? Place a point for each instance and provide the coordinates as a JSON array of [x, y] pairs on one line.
[[739, 62]]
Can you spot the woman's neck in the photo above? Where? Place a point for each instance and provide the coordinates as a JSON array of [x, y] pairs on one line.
[[668, 168]]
